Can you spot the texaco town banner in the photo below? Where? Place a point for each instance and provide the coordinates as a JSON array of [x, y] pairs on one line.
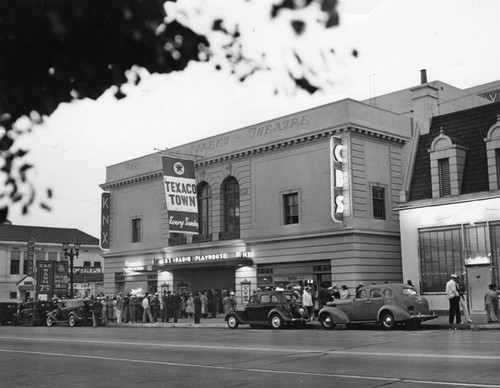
[[180, 194]]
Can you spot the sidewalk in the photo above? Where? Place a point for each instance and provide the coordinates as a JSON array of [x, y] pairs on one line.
[[440, 323]]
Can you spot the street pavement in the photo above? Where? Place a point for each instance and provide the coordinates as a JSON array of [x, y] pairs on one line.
[[440, 323]]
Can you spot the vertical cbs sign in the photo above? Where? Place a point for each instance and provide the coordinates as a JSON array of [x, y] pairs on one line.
[[336, 179]]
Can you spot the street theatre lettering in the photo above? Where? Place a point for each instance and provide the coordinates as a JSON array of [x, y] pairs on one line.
[[180, 195]]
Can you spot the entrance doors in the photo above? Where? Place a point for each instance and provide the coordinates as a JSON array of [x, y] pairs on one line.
[[478, 280]]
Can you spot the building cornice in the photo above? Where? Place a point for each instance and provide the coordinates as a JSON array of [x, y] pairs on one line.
[[287, 143]]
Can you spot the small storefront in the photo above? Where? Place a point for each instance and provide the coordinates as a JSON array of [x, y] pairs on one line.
[[295, 274]]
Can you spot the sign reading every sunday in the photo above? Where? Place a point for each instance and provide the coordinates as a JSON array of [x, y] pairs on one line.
[[180, 195]]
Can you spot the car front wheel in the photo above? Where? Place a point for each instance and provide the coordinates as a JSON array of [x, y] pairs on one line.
[[388, 321], [276, 322], [232, 322], [71, 321], [50, 321], [327, 322]]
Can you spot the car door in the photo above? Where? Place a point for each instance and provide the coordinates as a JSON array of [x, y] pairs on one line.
[[251, 312], [264, 307], [376, 297], [361, 306]]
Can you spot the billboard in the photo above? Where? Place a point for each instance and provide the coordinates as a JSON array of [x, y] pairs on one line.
[[52, 278], [180, 195]]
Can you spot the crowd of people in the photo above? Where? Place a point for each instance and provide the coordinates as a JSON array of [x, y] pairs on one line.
[[165, 307]]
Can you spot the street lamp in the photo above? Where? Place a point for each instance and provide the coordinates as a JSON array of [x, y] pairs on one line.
[[71, 254]]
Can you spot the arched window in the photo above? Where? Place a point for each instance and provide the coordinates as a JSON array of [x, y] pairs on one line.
[[204, 213], [230, 195]]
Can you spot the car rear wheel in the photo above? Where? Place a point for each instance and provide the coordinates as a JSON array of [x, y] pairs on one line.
[[71, 321], [387, 320], [327, 322], [276, 322], [50, 321], [232, 322]]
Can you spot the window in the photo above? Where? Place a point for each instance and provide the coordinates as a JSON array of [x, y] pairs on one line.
[[97, 264], [53, 256], [230, 192], [440, 256], [444, 177], [378, 202], [15, 262], [13, 295], [86, 263], [265, 298], [136, 230], [176, 239], [204, 212], [497, 162], [25, 263], [291, 208], [376, 293]]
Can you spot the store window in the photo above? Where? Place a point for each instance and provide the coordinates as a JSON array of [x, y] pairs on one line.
[[15, 262], [378, 202], [204, 213], [440, 256], [136, 230], [230, 195], [291, 208]]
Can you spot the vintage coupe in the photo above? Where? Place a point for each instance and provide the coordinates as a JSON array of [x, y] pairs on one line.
[[33, 313], [269, 308], [387, 304], [71, 312]]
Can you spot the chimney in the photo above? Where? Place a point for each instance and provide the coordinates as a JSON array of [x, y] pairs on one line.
[[423, 76]]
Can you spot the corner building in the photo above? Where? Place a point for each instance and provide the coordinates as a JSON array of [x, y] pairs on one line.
[[265, 201]]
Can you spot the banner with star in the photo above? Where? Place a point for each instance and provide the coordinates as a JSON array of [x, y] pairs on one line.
[[180, 195]]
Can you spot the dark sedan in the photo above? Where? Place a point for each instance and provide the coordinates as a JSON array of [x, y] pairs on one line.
[[269, 308]]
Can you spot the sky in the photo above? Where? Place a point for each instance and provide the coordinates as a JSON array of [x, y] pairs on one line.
[[456, 41]]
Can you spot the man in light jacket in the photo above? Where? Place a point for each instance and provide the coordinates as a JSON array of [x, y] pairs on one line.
[[454, 298]]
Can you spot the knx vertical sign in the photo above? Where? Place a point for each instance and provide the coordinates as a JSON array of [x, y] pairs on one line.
[[336, 178]]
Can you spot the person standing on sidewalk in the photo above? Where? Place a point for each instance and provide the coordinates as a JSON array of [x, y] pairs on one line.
[[454, 298], [119, 308], [491, 303], [197, 307], [146, 313], [462, 290]]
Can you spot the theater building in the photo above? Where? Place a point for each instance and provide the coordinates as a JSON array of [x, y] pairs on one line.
[[306, 198]]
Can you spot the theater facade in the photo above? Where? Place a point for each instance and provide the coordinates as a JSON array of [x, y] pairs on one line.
[[307, 198]]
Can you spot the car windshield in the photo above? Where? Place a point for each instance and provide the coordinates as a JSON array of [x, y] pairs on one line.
[[409, 291]]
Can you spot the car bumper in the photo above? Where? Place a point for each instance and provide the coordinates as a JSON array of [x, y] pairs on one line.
[[424, 317]]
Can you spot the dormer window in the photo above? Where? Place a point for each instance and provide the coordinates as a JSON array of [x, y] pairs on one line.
[[447, 165], [444, 177], [492, 141]]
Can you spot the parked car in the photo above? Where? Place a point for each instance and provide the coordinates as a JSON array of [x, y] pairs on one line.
[[71, 312], [7, 311], [32, 313], [269, 308], [387, 304]]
